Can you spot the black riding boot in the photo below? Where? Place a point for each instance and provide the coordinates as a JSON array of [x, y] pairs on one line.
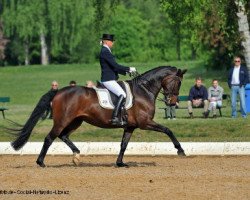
[[115, 120]]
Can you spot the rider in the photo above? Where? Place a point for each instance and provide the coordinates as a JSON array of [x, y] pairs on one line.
[[110, 70]]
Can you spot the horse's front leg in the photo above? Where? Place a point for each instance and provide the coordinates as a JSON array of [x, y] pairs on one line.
[[125, 139], [151, 125]]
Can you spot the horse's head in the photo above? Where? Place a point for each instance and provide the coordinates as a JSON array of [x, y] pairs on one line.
[[171, 85]]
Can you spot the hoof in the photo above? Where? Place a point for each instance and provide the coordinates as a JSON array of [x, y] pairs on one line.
[[41, 164], [121, 164], [76, 159], [181, 153]]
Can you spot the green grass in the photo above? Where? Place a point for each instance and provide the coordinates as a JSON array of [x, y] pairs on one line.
[[25, 86]]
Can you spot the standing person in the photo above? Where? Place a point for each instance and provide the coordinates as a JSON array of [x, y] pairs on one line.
[[215, 93], [237, 79], [53, 90], [198, 97], [110, 70], [49, 96], [170, 112], [54, 86]]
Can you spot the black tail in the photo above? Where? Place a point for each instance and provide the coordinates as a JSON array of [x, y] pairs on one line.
[[24, 133]]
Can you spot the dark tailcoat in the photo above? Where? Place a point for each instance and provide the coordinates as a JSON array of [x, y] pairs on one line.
[[110, 68]]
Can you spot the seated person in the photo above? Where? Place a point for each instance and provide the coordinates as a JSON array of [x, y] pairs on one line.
[[90, 84], [198, 97], [215, 93], [72, 83]]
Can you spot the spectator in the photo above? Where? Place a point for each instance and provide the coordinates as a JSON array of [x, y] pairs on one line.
[[170, 108], [215, 93], [50, 94], [54, 88], [90, 84], [237, 79], [72, 83], [198, 97]]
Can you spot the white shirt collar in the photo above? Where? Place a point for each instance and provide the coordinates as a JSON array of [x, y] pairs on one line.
[[235, 76], [107, 47]]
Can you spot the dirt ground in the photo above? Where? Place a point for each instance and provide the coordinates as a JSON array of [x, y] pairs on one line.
[[97, 177]]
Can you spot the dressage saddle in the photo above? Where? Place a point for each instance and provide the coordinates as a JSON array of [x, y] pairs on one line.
[[119, 117]]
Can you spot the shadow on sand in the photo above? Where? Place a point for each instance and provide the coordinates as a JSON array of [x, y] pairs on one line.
[[81, 164]]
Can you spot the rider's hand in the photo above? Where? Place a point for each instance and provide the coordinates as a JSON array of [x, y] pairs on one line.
[[132, 70]]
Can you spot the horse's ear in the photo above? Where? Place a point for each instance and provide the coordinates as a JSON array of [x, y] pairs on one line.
[[184, 71], [179, 73]]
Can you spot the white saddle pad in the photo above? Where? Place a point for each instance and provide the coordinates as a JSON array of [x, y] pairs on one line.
[[105, 98]]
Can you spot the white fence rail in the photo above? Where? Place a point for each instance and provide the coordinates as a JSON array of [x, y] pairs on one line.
[[134, 148]]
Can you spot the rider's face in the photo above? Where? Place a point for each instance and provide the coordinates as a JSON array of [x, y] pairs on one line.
[[109, 43]]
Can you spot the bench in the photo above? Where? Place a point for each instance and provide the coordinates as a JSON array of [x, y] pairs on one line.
[[3, 101], [224, 97], [185, 98]]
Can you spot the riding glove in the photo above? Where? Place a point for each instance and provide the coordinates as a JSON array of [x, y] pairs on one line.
[[132, 69]]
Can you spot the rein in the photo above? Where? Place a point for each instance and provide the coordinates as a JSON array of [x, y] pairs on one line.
[[168, 95], [167, 101]]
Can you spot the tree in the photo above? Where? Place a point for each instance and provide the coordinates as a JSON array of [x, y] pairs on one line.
[[71, 30], [160, 40], [220, 36], [132, 40], [25, 20], [104, 9], [3, 42], [61, 29], [244, 30], [68, 31], [128, 26], [185, 18]]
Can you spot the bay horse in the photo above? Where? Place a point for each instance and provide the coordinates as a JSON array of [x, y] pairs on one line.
[[73, 105]]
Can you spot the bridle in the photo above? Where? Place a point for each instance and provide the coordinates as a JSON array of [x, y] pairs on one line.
[[167, 94], [170, 93]]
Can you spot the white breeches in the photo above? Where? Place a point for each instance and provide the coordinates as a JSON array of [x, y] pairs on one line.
[[214, 104], [114, 87]]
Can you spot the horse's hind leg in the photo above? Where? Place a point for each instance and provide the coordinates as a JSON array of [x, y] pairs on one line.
[[47, 142], [125, 139], [64, 136], [75, 150]]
